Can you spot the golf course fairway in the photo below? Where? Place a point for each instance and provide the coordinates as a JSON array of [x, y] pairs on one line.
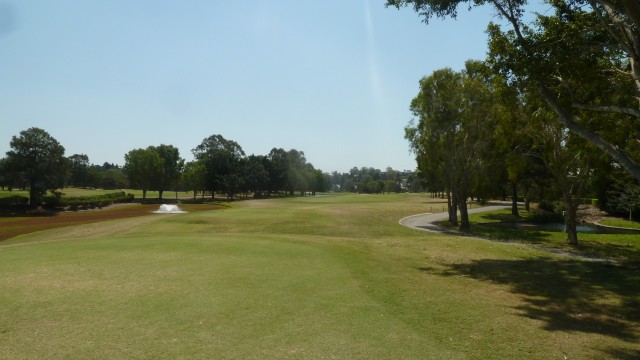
[[327, 277]]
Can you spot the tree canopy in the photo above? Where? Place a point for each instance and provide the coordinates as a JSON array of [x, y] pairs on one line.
[[584, 62], [39, 159], [451, 130], [144, 169]]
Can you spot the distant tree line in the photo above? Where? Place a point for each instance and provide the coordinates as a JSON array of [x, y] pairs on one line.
[[220, 168], [37, 162], [368, 180]]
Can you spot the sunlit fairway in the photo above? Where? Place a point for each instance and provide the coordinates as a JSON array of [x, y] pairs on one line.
[[332, 277]]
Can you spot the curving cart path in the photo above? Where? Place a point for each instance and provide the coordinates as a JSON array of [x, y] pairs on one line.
[[424, 222]]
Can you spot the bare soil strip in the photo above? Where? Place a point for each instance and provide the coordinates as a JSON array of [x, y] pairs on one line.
[[13, 226]]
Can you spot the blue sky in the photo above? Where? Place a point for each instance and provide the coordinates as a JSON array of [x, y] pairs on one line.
[[331, 78]]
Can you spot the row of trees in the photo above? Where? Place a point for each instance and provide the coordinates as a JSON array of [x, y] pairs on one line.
[[559, 93], [474, 132], [221, 166], [37, 162], [369, 180]]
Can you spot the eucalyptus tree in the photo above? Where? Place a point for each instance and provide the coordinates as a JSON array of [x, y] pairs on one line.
[[622, 193], [436, 109], [320, 181], [172, 166], [80, 175], [194, 177], [40, 159], [450, 131], [113, 178], [629, 199], [582, 60], [569, 160], [255, 175], [277, 167], [513, 145], [296, 172]]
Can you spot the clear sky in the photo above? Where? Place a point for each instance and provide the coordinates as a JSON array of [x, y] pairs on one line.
[[331, 78]]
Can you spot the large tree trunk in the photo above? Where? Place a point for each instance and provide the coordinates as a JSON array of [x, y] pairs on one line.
[[464, 214], [514, 199], [34, 195], [452, 206], [160, 194], [570, 219]]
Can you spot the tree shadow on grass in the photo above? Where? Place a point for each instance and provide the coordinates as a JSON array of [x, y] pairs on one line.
[[509, 233], [501, 217], [624, 354], [504, 232], [567, 295]]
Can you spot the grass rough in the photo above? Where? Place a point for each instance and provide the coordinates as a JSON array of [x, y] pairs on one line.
[[325, 277]]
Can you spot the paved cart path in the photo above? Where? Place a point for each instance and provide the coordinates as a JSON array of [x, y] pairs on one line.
[[425, 222]]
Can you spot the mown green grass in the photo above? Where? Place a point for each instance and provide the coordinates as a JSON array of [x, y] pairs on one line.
[[622, 248], [621, 223], [7, 193], [325, 277]]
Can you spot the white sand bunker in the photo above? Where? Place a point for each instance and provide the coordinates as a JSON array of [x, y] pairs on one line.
[[169, 209]]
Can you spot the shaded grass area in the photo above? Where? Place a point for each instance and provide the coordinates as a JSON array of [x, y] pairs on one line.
[[623, 248], [566, 294], [333, 277]]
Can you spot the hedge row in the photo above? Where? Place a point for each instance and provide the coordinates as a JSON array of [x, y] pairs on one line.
[[14, 201], [57, 200]]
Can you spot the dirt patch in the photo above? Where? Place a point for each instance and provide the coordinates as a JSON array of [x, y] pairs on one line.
[[14, 226]]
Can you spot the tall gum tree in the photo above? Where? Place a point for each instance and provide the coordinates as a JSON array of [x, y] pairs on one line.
[[569, 159], [430, 133], [450, 131], [602, 32], [172, 166]]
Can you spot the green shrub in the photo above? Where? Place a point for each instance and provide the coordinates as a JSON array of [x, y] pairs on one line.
[[545, 217], [558, 207], [96, 201], [53, 200], [14, 201], [546, 205]]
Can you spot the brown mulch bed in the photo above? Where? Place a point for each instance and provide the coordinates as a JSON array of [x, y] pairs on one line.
[[13, 225]]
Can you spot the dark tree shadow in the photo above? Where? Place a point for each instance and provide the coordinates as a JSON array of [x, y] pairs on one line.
[[623, 354], [566, 294], [502, 232], [508, 232]]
